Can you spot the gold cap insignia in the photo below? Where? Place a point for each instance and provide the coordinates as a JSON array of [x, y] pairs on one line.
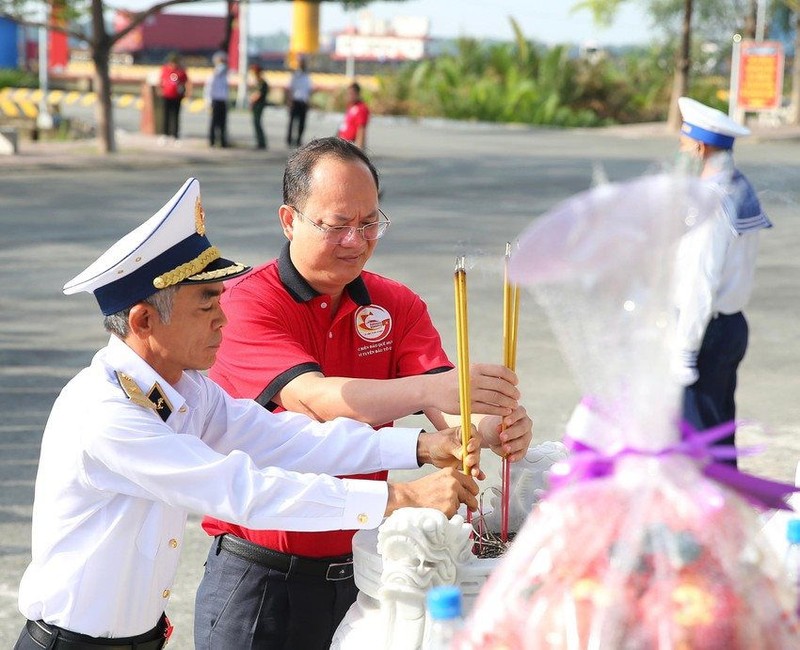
[[199, 217]]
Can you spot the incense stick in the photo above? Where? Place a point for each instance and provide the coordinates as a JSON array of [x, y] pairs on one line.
[[510, 328], [462, 346]]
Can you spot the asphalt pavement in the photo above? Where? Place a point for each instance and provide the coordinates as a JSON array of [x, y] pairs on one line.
[[450, 188]]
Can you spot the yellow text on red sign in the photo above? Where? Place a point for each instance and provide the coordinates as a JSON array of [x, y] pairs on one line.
[[760, 75]]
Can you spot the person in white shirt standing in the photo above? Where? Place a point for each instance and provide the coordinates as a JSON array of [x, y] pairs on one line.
[[716, 271], [142, 437], [216, 96], [298, 96]]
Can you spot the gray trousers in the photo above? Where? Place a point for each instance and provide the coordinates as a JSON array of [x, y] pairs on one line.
[[243, 605]]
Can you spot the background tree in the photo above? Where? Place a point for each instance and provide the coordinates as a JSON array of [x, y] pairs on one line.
[[603, 12], [97, 38], [230, 17], [788, 12], [750, 19], [683, 21]]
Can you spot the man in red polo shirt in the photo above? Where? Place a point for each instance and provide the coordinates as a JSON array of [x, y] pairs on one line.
[[354, 126], [174, 87], [313, 332]]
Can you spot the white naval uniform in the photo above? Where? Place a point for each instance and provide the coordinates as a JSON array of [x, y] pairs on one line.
[[716, 263], [115, 484]]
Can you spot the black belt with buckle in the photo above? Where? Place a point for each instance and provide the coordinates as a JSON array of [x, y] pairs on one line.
[[329, 568], [43, 634]]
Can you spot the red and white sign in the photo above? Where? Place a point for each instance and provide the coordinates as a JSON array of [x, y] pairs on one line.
[[379, 48], [760, 79]]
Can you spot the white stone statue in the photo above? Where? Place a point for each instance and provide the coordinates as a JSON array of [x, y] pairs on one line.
[[419, 549]]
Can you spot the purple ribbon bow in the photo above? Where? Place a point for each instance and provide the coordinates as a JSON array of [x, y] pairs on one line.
[[587, 463]]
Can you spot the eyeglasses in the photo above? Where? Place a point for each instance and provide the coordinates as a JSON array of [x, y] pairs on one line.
[[340, 234]]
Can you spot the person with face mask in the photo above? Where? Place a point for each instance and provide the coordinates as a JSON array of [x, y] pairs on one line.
[[716, 271]]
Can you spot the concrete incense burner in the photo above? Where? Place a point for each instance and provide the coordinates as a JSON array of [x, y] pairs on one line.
[[419, 548]]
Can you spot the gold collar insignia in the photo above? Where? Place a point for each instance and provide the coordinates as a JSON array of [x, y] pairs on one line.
[[159, 398], [156, 400]]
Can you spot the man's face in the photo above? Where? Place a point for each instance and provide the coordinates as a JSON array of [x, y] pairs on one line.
[[342, 193], [690, 156], [192, 337], [689, 145]]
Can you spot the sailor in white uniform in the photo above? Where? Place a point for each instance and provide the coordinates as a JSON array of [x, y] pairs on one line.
[[141, 437], [716, 270]]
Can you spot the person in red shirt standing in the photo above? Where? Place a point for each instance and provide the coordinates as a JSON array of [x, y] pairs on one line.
[[354, 126], [175, 86], [315, 333]]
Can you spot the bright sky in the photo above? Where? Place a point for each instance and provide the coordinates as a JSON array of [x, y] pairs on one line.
[[547, 21]]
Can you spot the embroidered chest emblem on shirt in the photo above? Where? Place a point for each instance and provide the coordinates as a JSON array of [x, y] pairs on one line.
[[373, 323], [155, 400]]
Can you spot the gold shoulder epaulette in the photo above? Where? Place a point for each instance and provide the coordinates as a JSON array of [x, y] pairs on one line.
[[134, 393]]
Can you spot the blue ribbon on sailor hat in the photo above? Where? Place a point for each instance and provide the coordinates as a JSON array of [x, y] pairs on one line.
[[709, 125]]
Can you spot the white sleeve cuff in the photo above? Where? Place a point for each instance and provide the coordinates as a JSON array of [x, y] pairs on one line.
[[689, 358], [398, 447], [365, 503]]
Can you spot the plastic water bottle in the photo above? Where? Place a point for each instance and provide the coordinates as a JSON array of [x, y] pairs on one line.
[[792, 561], [445, 615]]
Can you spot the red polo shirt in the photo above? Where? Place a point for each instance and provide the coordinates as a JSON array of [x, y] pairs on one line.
[[279, 328], [173, 82], [357, 115]]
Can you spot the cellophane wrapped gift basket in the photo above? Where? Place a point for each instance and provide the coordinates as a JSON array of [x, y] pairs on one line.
[[645, 540]]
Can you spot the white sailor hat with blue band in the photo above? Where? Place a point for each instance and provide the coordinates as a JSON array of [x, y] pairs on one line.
[[706, 124], [169, 248]]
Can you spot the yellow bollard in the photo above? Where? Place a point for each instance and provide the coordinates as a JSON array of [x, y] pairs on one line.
[[305, 30]]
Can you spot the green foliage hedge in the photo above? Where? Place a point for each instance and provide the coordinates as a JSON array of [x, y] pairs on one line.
[[17, 79], [520, 82]]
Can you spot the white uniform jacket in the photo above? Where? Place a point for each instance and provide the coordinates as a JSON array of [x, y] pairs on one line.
[[717, 259], [115, 483]]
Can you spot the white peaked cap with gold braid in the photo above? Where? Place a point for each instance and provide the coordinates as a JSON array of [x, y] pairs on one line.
[[169, 248]]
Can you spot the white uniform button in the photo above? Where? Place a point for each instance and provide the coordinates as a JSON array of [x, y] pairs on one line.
[[330, 335], [362, 518], [323, 304], [165, 593], [182, 409], [173, 543]]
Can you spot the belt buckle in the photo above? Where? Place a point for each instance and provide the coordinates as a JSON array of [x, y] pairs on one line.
[[339, 571]]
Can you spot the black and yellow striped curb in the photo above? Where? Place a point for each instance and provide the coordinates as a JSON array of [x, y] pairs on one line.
[[25, 102]]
